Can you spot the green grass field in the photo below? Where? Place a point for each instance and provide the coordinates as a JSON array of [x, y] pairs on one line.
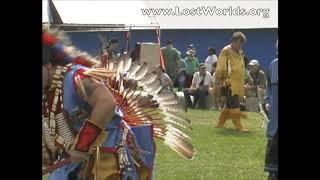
[[222, 154]]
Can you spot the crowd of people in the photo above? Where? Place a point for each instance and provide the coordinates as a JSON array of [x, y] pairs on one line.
[[184, 74]]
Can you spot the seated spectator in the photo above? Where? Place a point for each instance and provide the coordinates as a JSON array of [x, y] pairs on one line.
[[211, 59], [164, 77], [192, 64], [255, 83], [181, 79], [201, 83]]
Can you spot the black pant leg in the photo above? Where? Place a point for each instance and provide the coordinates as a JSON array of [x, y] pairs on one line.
[[187, 98], [196, 95], [202, 98]]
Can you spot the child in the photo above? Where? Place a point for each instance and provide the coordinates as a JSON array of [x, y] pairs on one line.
[[163, 77], [181, 79]]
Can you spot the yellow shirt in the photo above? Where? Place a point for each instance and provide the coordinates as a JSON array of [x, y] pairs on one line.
[[229, 57]]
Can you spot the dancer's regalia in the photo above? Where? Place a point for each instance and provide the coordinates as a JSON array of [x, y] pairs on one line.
[[231, 71], [271, 161], [124, 148]]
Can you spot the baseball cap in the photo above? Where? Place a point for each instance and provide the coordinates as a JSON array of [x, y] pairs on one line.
[[190, 51], [202, 65], [254, 62]]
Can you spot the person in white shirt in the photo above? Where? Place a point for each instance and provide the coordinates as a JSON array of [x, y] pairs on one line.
[[199, 88], [211, 59]]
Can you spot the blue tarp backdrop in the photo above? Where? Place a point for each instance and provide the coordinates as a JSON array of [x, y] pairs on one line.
[[260, 42]]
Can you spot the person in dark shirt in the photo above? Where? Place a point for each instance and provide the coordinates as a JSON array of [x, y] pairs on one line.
[[171, 59], [135, 53], [111, 49]]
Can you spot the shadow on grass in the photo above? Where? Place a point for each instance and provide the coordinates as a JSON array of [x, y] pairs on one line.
[[233, 132]]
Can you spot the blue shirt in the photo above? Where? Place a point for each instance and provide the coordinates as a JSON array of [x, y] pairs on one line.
[[182, 64], [272, 98]]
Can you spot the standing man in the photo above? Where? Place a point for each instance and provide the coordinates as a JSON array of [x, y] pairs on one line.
[[111, 49], [171, 59], [192, 47], [211, 59], [135, 53], [271, 162], [192, 64], [201, 83], [231, 71], [182, 64], [181, 78]]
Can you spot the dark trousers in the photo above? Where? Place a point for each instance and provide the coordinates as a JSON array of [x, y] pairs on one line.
[[198, 95], [232, 101], [189, 80], [271, 160], [273, 176]]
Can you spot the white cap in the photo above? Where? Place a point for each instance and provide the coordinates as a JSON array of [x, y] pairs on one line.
[[254, 62], [190, 51]]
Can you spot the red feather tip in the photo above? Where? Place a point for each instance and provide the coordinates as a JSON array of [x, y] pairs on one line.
[[48, 39]]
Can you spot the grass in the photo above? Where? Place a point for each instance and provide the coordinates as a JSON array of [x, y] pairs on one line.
[[222, 154]]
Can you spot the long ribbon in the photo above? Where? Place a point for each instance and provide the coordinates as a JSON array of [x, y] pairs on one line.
[[127, 40], [158, 39]]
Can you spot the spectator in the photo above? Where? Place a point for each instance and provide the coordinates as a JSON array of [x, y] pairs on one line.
[[214, 67], [111, 49], [181, 79], [255, 83], [218, 98], [191, 66], [171, 59], [199, 89], [246, 74], [211, 59], [135, 53], [192, 47], [164, 77], [182, 64], [246, 61]]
